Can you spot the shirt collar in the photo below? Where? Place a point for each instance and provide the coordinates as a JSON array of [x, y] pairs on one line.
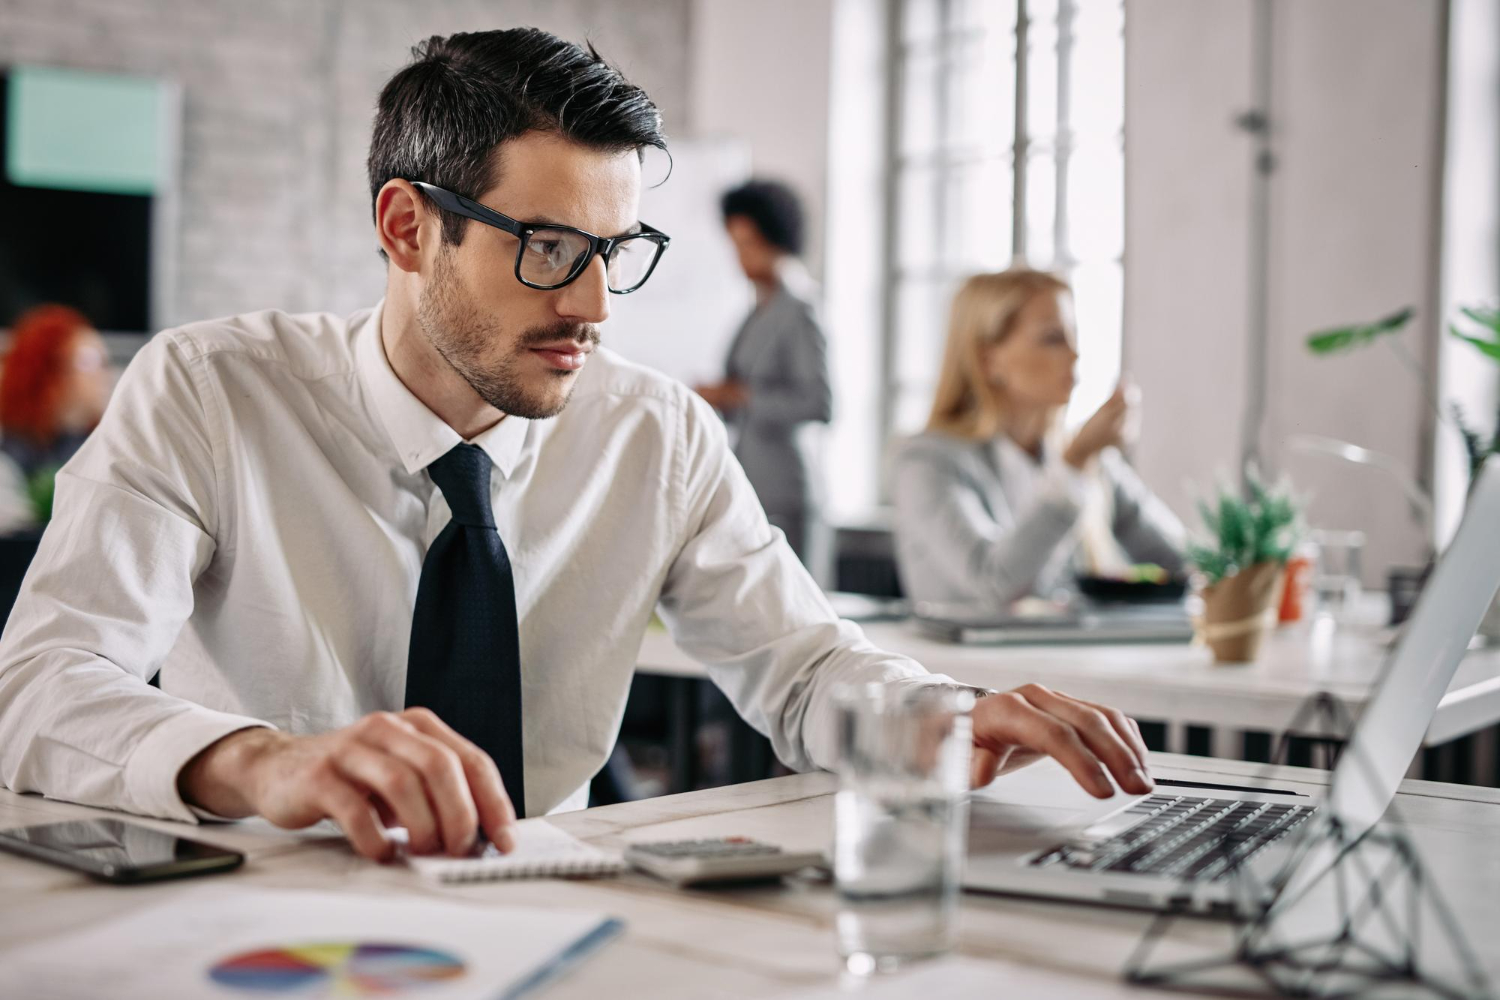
[[1009, 452], [420, 436], [1015, 463]]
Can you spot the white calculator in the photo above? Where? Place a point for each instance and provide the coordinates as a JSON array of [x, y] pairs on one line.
[[722, 859]]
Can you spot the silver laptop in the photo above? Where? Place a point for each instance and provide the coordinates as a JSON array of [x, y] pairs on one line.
[[1038, 834], [1087, 623]]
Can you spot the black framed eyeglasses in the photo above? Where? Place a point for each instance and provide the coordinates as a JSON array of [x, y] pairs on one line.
[[551, 256]]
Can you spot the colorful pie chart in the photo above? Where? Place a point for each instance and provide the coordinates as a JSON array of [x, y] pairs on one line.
[[337, 969]]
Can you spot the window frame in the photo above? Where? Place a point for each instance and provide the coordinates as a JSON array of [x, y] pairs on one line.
[[944, 160]]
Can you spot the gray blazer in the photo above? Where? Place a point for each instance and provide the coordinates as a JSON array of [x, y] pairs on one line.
[[957, 538], [781, 356]]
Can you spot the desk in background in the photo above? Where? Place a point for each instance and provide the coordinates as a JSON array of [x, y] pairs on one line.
[[753, 941], [1180, 684]]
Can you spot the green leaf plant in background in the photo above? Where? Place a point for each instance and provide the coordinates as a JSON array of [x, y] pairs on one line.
[[1487, 342], [1489, 320], [1342, 338], [39, 489], [1245, 531]]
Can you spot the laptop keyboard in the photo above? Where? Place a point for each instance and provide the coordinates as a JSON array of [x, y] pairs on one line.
[[1183, 837]]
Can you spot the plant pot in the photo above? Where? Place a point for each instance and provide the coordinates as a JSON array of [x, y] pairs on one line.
[[1238, 610]]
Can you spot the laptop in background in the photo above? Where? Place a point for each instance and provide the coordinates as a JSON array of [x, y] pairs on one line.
[[1085, 622]]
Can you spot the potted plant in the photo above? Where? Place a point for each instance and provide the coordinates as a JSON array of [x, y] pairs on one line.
[[1243, 564], [1486, 339]]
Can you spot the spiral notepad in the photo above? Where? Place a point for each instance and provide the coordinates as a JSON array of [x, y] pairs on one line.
[[541, 850]]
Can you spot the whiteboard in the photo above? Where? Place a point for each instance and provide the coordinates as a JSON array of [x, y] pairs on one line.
[[682, 321]]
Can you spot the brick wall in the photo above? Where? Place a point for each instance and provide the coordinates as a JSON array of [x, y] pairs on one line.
[[277, 97]]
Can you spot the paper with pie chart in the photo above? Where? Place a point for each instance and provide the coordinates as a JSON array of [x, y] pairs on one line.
[[342, 969], [238, 943]]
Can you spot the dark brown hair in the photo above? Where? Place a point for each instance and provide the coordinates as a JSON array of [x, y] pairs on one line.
[[440, 119]]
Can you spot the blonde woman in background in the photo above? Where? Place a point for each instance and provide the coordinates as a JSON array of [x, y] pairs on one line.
[[994, 502]]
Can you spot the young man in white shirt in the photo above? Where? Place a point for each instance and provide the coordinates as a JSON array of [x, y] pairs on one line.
[[269, 496]]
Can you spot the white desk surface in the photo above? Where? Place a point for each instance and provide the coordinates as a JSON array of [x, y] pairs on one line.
[[1179, 683], [757, 941]]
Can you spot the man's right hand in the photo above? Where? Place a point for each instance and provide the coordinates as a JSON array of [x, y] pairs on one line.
[[388, 769]]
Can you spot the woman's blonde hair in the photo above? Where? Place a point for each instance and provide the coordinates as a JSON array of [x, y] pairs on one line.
[[968, 404]]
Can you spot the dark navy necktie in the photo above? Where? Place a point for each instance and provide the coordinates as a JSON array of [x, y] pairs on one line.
[[464, 662]]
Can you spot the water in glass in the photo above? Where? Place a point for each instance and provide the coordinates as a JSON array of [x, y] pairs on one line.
[[901, 822]]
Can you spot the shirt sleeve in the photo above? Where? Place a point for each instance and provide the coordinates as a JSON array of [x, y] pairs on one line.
[[737, 600], [1146, 527], [104, 600]]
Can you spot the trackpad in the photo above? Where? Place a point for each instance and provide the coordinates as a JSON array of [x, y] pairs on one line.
[[1038, 798]]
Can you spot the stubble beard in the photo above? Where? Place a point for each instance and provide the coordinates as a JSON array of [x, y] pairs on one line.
[[462, 338]]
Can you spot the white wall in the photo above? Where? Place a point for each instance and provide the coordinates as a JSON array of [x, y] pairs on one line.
[[278, 97], [1355, 217], [801, 83], [1353, 224], [760, 74], [1187, 194], [683, 320]]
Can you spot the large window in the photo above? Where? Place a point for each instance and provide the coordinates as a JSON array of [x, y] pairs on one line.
[[1006, 147]]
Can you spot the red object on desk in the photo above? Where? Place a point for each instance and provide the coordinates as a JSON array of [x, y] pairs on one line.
[[1294, 594]]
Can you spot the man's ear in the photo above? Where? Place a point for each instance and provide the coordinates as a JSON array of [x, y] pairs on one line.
[[403, 220]]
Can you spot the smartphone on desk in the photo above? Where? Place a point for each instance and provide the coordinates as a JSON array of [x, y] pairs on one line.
[[116, 851]]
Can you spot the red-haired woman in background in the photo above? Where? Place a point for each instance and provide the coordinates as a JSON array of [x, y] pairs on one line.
[[53, 387]]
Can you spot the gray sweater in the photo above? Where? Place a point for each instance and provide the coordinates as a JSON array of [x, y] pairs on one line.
[[958, 538], [781, 356]]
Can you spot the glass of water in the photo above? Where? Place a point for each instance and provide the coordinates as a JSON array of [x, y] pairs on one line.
[[1337, 572], [900, 821]]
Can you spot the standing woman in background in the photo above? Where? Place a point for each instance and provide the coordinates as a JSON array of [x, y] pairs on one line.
[[994, 501], [776, 383]]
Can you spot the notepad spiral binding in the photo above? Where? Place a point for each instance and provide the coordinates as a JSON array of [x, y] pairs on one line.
[[489, 870]]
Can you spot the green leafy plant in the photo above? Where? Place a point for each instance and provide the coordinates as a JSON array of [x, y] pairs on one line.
[[1489, 319], [1475, 445], [1341, 338], [39, 489], [1344, 338], [1263, 527]]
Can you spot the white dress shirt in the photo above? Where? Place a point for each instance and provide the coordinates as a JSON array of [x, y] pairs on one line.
[[250, 519]]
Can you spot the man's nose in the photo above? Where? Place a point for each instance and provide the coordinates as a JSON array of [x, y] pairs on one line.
[[586, 299]]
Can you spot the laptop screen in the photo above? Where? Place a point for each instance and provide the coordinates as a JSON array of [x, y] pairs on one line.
[[1422, 665]]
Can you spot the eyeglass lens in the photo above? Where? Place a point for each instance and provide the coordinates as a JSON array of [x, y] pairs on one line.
[[552, 255]]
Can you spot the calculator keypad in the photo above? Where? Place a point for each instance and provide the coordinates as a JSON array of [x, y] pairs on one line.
[[722, 847]]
